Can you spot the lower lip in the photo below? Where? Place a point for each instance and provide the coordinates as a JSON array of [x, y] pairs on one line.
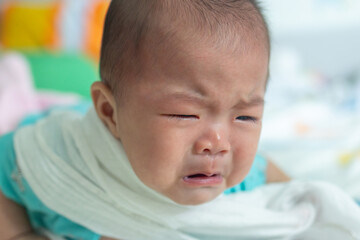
[[204, 181]]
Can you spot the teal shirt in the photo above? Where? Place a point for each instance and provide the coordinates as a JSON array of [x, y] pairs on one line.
[[15, 187]]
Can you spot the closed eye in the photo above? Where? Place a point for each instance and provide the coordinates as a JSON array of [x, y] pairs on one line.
[[246, 118], [181, 116]]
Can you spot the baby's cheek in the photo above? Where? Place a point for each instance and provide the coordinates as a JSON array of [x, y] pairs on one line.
[[161, 159], [244, 148], [240, 167], [238, 174]]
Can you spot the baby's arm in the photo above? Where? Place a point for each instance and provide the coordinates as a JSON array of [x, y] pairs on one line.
[[14, 224], [275, 174]]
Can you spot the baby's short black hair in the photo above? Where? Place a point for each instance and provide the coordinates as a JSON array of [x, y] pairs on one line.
[[129, 24]]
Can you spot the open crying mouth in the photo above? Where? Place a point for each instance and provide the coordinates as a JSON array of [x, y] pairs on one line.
[[200, 175], [201, 179]]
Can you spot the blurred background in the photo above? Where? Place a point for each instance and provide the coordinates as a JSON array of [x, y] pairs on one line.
[[312, 117], [60, 40], [49, 51]]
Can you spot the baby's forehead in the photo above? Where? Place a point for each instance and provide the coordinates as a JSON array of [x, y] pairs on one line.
[[201, 69], [186, 48]]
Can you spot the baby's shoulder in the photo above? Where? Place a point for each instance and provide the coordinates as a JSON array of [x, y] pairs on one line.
[[6, 147], [7, 156], [11, 184]]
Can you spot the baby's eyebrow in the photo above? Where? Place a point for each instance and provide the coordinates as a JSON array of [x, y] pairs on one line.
[[252, 102], [199, 99], [186, 97]]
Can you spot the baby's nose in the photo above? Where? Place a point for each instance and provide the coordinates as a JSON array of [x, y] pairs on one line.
[[214, 141]]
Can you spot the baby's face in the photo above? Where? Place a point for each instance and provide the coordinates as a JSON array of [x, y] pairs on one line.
[[191, 125]]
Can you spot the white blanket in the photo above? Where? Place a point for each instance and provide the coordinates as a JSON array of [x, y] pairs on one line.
[[77, 168]]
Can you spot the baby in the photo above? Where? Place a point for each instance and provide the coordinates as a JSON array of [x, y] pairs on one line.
[[175, 122]]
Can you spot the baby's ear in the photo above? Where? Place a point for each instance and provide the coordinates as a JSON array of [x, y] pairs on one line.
[[105, 106]]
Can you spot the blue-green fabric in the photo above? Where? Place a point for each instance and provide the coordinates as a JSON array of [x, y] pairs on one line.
[[15, 187]]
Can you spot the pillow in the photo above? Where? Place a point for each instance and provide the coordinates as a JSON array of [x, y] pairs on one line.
[[63, 72], [25, 26], [62, 25]]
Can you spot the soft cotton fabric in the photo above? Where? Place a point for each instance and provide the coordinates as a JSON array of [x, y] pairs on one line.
[[91, 182]]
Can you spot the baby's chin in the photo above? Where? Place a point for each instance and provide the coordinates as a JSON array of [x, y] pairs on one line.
[[197, 197]]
